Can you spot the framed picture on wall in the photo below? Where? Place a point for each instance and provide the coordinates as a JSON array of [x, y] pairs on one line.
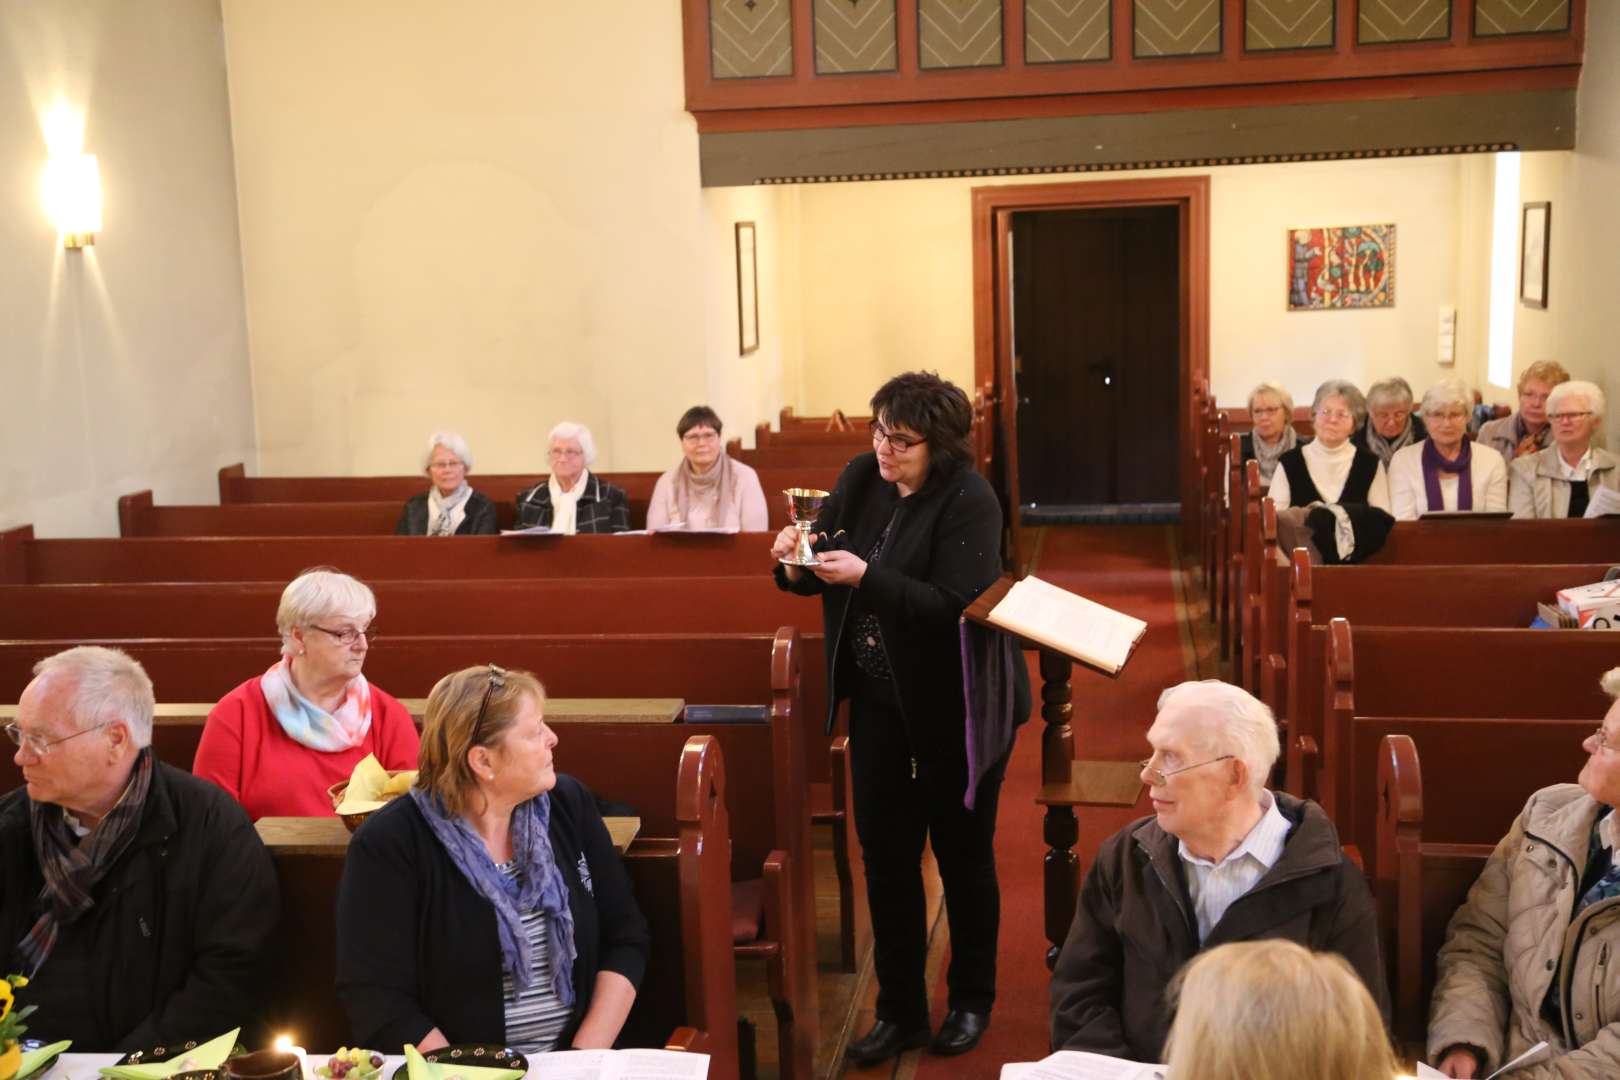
[[747, 289], [1536, 235]]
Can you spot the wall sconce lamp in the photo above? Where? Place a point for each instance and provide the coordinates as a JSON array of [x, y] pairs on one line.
[[73, 196]]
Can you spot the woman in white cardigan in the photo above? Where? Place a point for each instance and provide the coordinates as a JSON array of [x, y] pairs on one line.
[[1445, 471], [1331, 468]]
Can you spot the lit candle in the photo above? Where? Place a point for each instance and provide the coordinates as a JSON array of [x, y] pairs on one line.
[[284, 1043]]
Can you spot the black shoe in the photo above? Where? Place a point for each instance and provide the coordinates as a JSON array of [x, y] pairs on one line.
[[960, 1032], [883, 1042]]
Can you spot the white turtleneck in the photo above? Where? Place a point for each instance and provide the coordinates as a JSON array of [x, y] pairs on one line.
[[1329, 469]]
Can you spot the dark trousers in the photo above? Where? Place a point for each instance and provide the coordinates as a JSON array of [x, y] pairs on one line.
[[894, 815]]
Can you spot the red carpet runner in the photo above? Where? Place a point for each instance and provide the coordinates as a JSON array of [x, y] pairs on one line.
[[1129, 568]]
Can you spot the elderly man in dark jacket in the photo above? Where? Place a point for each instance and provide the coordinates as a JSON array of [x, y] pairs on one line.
[[1221, 860], [137, 898]]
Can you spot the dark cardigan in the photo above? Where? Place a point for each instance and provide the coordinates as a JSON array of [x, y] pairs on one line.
[[944, 551], [417, 946], [478, 521], [602, 507]]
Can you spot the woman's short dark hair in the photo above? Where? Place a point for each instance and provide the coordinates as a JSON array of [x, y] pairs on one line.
[[697, 416], [935, 409]]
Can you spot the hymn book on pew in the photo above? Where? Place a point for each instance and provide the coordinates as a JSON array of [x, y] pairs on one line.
[[1058, 619]]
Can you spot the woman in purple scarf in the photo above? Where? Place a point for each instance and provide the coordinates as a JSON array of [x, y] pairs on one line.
[[1446, 472]]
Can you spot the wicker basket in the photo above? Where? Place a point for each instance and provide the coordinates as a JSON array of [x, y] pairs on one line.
[[352, 821]]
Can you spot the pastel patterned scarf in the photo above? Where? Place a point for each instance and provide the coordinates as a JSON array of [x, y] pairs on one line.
[[309, 724]]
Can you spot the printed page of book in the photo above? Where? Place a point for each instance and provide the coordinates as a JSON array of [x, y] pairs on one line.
[[622, 1065], [1066, 621], [1079, 1065]]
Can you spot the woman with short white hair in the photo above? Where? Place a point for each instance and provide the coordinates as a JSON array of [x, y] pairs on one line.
[[571, 499], [1445, 471], [1271, 407], [1390, 424], [281, 739], [1561, 480], [449, 507]]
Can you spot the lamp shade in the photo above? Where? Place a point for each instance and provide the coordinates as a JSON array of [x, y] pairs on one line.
[[73, 197]]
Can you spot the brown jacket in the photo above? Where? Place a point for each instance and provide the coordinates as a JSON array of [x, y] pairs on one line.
[[1511, 936], [1134, 929]]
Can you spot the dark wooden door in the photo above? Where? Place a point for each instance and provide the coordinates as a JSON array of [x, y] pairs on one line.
[[1096, 347]]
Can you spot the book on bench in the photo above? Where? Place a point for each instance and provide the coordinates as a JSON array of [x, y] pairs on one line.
[[1081, 1065], [1055, 618], [635, 1064]]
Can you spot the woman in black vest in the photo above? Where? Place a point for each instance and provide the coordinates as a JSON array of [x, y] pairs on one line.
[[1330, 468], [911, 535]]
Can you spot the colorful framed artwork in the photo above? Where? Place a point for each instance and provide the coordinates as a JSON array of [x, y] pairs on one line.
[[1340, 267], [747, 289], [1534, 240]]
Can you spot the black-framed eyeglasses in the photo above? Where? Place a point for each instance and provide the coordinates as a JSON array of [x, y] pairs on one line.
[[1161, 777], [351, 635], [898, 443], [497, 680], [38, 745]]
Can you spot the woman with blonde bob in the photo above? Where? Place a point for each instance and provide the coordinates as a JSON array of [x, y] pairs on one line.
[[489, 905], [1274, 1010]]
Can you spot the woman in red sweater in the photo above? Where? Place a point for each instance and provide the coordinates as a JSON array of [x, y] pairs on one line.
[[278, 741]]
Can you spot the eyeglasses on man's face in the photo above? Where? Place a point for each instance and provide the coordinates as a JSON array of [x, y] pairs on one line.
[[1597, 741], [38, 745], [898, 443], [1161, 777], [349, 635]]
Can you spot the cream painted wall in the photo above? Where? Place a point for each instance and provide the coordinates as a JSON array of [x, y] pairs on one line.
[[443, 228], [125, 365], [886, 276]]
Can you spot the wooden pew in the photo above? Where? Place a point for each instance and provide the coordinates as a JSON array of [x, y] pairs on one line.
[[1419, 884], [800, 459], [687, 998], [1543, 679], [854, 440], [787, 420]]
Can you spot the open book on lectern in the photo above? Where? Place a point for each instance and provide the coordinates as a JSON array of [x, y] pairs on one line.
[[1043, 613]]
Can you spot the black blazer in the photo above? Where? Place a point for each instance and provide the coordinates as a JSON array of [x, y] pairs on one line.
[[479, 519], [602, 507], [417, 947], [944, 550], [175, 944]]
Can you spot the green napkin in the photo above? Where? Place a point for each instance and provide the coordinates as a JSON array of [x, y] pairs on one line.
[[208, 1055], [420, 1068], [33, 1059]]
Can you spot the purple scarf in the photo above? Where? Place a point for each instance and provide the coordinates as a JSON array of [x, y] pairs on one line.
[[1434, 465]]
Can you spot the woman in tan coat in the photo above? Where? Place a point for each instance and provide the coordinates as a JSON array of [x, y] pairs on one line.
[[1534, 952]]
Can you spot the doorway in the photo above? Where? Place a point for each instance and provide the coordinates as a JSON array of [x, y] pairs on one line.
[[1096, 362]]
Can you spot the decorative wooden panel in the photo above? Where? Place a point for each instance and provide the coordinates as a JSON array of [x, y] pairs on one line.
[[1067, 31], [854, 36], [1269, 25], [1503, 18], [958, 34], [750, 39], [1381, 21], [1176, 27]]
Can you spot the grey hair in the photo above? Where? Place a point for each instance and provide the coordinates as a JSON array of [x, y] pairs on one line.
[[1447, 393], [1277, 391], [1578, 388], [109, 686], [321, 594], [451, 442], [1394, 388], [1240, 724], [1342, 388], [1611, 682], [578, 433]]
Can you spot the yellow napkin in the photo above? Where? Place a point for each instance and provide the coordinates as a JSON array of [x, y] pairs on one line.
[[208, 1055], [420, 1068], [370, 787], [33, 1059]]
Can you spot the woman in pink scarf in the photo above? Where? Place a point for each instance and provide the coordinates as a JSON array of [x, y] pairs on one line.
[[709, 489], [278, 741]]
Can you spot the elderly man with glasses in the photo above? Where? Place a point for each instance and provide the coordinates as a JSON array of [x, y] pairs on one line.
[[136, 898], [1222, 859]]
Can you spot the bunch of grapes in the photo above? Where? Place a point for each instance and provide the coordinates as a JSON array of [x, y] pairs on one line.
[[351, 1059]]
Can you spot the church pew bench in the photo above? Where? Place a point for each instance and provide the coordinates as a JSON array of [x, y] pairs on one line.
[[1418, 885], [854, 441], [688, 997], [788, 420], [802, 460]]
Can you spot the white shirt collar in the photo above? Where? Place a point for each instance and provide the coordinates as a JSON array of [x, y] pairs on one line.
[[1576, 471], [1264, 843]]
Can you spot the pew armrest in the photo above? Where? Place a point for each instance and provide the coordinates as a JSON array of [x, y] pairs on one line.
[[687, 1039]]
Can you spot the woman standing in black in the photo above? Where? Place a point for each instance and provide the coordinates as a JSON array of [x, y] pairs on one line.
[[909, 537]]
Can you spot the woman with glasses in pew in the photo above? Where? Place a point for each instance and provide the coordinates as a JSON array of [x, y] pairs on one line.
[[1562, 480], [709, 489], [910, 535], [1533, 955], [572, 500], [280, 740], [1446, 471], [1271, 407], [1390, 425], [1330, 492], [489, 905], [1525, 431], [449, 507]]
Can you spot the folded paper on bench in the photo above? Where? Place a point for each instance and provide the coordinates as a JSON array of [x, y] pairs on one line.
[[1069, 623], [1079, 1065]]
